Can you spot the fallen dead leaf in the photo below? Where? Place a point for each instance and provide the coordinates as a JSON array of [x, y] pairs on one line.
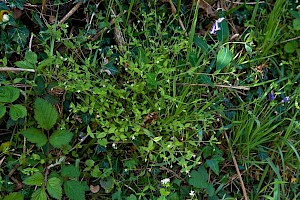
[[94, 189]]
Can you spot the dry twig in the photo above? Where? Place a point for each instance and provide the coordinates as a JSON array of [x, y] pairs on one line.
[[70, 13], [12, 69]]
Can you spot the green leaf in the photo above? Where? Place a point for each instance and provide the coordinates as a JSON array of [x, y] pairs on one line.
[[296, 24], [24, 64], [290, 47], [193, 58], [19, 35], [70, 171], [54, 188], [224, 57], [31, 57], [107, 184], [35, 136], [3, 6], [201, 43], [75, 190], [223, 34], [60, 138], [17, 111], [39, 194], [203, 78], [151, 80], [2, 110], [214, 165], [45, 114], [14, 196], [9, 94], [199, 178], [36, 179]]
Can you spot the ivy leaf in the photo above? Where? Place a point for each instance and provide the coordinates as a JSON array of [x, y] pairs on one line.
[[60, 138], [199, 178], [45, 114], [213, 163], [54, 188], [14, 196], [36, 179], [35, 136], [70, 171], [2, 110], [9, 94], [75, 190], [17, 111], [223, 34], [224, 57], [19, 35], [39, 194]]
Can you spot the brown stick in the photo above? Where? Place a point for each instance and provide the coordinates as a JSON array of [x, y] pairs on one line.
[[222, 86], [70, 13], [237, 169], [12, 69]]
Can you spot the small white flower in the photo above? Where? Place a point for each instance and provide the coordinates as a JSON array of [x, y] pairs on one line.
[[192, 193], [114, 145], [5, 18], [132, 137], [165, 181]]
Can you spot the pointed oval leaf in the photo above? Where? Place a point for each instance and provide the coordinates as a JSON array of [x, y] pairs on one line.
[[223, 33], [45, 114], [39, 194], [60, 138], [54, 188], [17, 111], [224, 57], [9, 94], [36, 179], [35, 136], [201, 43], [2, 110]]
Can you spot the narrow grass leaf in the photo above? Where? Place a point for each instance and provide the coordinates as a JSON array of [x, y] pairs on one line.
[[60, 138], [35, 136], [45, 114], [9, 94], [17, 111], [54, 188], [224, 57], [36, 179]]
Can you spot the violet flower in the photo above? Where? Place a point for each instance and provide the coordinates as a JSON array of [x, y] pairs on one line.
[[285, 99], [271, 96], [215, 26]]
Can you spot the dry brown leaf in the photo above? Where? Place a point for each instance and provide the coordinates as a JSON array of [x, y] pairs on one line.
[[94, 189]]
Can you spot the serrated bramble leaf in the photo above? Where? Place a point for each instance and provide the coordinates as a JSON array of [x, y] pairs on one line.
[[70, 171], [2, 110], [45, 114], [24, 64], [31, 57], [19, 35], [54, 188], [9, 94], [224, 57], [199, 178], [36, 179], [74, 190], [60, 138], [39, 194], [17, 111], [14, 196], [35, 136]]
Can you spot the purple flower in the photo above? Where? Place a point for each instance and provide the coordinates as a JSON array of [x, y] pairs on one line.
[[216, 27], [285, 99], [271, 96]]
